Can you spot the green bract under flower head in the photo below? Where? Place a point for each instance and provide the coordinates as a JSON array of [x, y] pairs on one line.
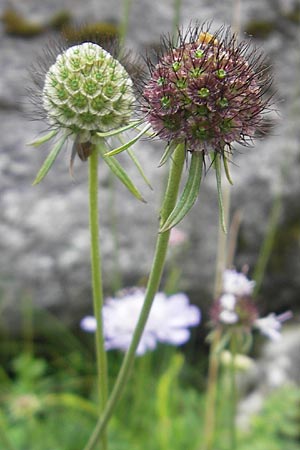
[[86, 90]]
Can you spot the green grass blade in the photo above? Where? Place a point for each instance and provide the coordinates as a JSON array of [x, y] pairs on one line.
[[44, 139], [71, 401], [50, 160], [167, 153], [120, 173], [139, 167], [189, 194], [129, 143]]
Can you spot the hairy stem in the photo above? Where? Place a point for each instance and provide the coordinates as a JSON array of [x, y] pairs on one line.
[[152, 287], [97, 284], [213, 366], [233, 394]]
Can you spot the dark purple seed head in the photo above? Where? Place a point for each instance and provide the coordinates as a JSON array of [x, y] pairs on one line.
[[208, 91]]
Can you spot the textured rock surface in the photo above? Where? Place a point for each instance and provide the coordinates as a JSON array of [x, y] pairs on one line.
[[44, 229]]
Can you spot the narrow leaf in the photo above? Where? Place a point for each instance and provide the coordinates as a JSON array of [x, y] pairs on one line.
[[118, 170], [50, 160], [44, 139], [139, 167], [119, 130], [189, 194], [129, 143], [167, 153], [226, 167], [217, 161], [72, 401]]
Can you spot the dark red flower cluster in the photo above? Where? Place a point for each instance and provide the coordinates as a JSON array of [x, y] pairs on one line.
[[207, 92]]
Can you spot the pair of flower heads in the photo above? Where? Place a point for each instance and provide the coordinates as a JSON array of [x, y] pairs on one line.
[[234, 311], [205, 91]]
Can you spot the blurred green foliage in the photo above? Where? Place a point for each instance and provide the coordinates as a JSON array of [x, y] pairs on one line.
[[48, 400]]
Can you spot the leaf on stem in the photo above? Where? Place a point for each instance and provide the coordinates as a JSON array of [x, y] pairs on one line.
[[119, 130], [226, 167], [167, 153], [44, 139], [139, 167], [129, 143], [118, 170], [189, 194], [50, 160]]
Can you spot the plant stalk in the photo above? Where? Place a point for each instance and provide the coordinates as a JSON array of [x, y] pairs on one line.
[[97, 286], [152, 288], [213, 366], [126, 7], [212, 387], [233, 395]]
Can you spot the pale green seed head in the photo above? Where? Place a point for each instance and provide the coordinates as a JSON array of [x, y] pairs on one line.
[[87, 90]]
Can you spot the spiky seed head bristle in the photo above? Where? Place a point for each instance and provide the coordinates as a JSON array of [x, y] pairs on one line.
[[207, 91]]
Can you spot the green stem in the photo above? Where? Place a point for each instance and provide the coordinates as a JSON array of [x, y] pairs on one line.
[[152, 287], [176, 20], [97, 283], [212, 385], [267, 246], [124, 21], [233, 395], [213, 366]]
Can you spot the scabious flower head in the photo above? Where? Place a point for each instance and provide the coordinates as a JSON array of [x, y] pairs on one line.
[[236, 283], [232, 310], [206, 91], [87, 90], [169, 320], [236, 309], [271, 325]]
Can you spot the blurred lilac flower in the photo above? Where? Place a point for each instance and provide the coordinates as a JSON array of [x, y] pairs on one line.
[[237, 283], [271, 325], [168, 322], [227, 313], [236, 308]]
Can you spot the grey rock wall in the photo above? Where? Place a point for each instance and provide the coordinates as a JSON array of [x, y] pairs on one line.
[[44, 239]]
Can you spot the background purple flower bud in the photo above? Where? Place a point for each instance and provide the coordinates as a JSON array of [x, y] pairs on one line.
[[207, 91]]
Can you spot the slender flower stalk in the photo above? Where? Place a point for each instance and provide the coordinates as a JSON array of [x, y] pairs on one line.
[[126, 7], [267, 246], [233, 394], [211, 396], [176, 19], [97, 284], [152, 287], [213, 363], [87, 97]]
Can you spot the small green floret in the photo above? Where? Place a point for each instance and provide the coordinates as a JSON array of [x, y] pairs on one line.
[[176, 66], [204, 92], [221, 73]]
